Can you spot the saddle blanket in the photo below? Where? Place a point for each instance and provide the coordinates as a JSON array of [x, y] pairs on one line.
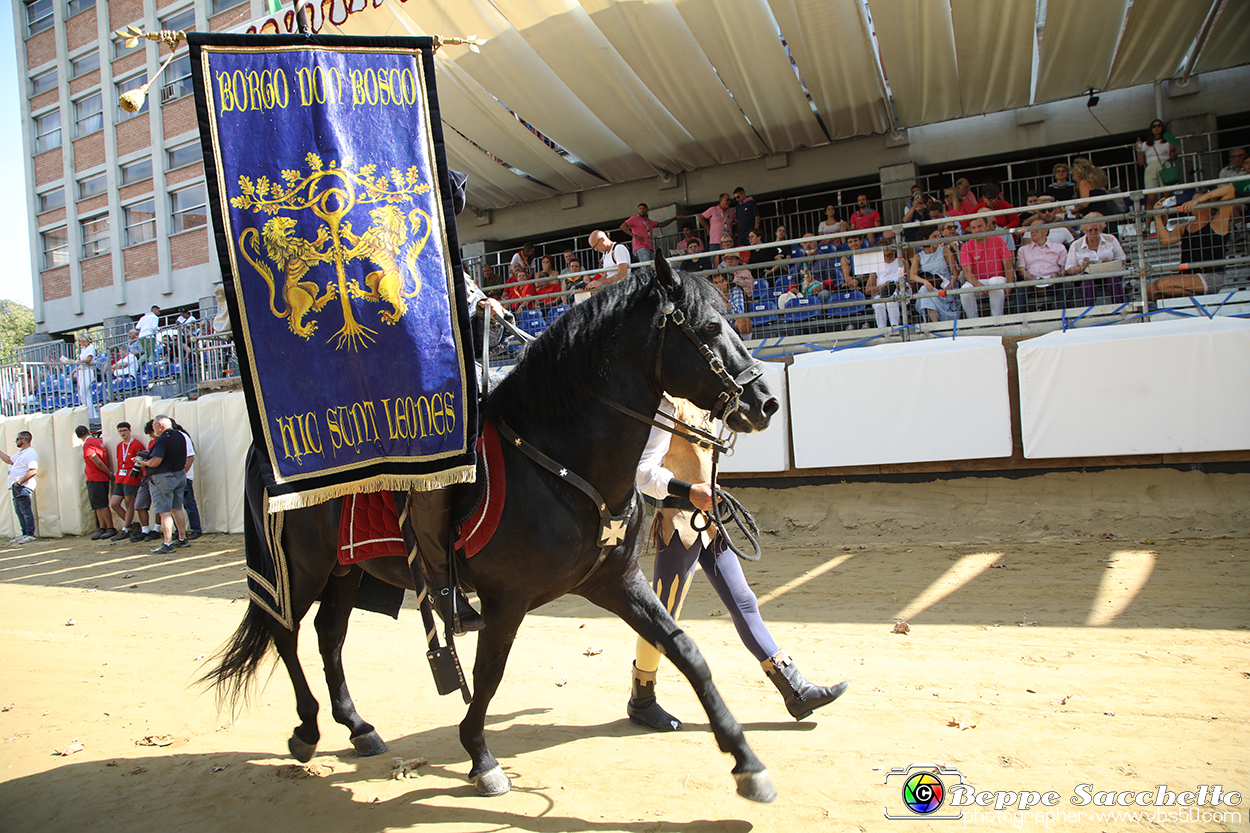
[[476, 532], [369, 528]]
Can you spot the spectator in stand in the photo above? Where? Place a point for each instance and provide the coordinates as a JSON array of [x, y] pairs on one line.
[[1203, 238], [148, 324], [746, 215], [992, 200], [1062, 188], [1049, 214], [168, 480], [962, 201], [84, 373], [726, 242], [95, 459], [742, 278], [697, 262], [852, 280], [1236, 160], [23, 468], [755, 238], [615, 259], [571, 284], [641, 230], [125, 487], [569, 257], [865, 217], [717, 220], [917, 212], [934, 269], [1030, 203], [523, 258], [1094, 246], [986, 262], [830, 224], [884, 282], [514, 290], [546, 294], [487, 278], [1152, 153], [735, 302], [687, 234], [822, 271], [1091, 184], [125, 364], [134, 348], [1038, 261], [771, 254]]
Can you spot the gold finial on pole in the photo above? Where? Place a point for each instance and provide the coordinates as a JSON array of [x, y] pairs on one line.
[[472, 41], [132, 100]]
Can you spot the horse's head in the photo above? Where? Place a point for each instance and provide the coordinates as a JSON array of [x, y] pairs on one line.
[[702, 358]]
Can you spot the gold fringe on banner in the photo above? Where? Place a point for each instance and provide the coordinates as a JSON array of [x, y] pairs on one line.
[[380, 483]]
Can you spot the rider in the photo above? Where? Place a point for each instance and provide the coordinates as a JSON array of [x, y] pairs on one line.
[[680, 469]]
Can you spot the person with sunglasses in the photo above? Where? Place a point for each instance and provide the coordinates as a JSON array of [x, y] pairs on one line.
[[1151, 154]]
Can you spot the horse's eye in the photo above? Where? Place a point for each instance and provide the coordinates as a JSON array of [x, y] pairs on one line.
[[712, 328]]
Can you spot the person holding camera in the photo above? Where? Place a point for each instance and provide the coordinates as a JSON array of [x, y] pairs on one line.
[[166, 464], [143, 494]]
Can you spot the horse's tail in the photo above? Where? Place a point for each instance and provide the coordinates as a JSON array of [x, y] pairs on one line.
[[239, 659]]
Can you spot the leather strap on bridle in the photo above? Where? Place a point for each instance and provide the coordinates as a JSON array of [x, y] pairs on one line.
[[611, 527]]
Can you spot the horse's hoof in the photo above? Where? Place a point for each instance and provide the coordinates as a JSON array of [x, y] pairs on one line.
[[756, 786], [492, 782], [369, 744], [302, 752]]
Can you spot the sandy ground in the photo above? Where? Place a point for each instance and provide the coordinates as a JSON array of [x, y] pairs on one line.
[[1109, 648]]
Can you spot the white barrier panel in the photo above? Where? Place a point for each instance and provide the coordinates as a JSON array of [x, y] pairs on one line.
[[1165, 387], [221, 447], [47, 501], [76, 515], [921, 401], [770, 449]]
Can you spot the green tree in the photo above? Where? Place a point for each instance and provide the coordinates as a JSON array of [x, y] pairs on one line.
[[16, 322]]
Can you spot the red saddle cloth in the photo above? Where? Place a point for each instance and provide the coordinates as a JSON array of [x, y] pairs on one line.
[[369, 528], [476, 532]]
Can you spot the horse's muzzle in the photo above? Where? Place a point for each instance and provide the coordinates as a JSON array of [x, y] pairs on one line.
[[755, 409]]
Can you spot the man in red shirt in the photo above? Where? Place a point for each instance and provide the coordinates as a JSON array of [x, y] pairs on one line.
[[125, 487], [865, 217], [96, 460], [986, 262], [992, 200], [639, 228]]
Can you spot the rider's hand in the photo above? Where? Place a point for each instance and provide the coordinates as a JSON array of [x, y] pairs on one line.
[[701, 496]]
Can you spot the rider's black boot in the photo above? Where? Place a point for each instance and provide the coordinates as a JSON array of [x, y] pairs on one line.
[[643, 709], [431, 523], [802, 698]]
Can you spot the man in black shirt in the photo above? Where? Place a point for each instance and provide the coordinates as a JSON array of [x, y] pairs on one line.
[[167, 481]]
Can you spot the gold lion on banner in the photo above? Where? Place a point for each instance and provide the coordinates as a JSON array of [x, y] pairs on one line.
[[331, 192]]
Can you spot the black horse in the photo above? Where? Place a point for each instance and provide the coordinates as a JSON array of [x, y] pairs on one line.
[[655, 331]]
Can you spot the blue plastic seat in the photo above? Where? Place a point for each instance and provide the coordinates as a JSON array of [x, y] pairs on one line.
[[843, 297], [763, 288], [555, 312], [801, 309], [764, 307]]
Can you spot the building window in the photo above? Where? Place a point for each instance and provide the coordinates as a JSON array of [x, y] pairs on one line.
[[48, 131], [222, 5], [38, 16], [76, 6], [137, 171], [43, 82], [184, 155], [92, 186], [140, 222], [188, 208], [132, 83], [179, 83], [89, 114], [95, 236], [49, 200], [55, 247], [180, 21], [83, 64]]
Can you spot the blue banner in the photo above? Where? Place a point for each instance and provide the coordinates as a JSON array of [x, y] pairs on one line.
[[332, 210]]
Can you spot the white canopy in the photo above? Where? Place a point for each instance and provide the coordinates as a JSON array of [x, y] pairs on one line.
[[567, 95]]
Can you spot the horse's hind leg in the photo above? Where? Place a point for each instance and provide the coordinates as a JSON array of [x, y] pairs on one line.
[[634, 601], [337, 601], [494, 643], [303, 741]]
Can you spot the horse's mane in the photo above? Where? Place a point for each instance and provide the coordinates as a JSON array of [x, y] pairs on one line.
[[571, 357]]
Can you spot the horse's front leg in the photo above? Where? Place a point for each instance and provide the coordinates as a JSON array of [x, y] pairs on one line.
[[633, 600], [337, 601], [494, 643]]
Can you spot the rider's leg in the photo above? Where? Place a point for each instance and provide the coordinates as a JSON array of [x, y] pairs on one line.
[[674, 568], [430, 514]]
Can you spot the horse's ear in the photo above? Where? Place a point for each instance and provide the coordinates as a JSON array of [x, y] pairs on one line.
[[665, 272]]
